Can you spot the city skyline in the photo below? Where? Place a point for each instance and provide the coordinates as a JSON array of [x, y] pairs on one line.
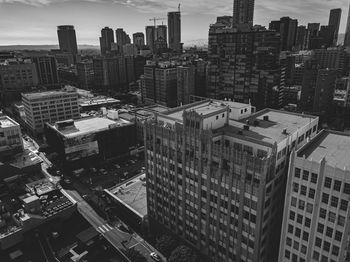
[[89, 16]]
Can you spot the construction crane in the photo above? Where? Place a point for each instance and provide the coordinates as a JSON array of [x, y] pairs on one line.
[[155, 19]]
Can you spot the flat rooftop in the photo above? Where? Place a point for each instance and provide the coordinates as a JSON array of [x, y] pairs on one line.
[[90, 125], [133, 194], [334, 146], [46, 94], [6, 122], [271, 130]]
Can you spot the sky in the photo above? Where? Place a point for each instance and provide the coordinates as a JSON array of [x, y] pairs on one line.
[[34, 22]]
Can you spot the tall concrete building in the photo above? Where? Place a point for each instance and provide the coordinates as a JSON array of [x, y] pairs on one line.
[[301, 42], [185, 84], [50, 106], [347, 31], [138, 39], [309, 79], [243, 12], [287, 28], [106, 40], [150, 36], [324, 90], [122, 39], [46, 67], [85, 72], [316, 210], [174, 27], [67, 39], [161, 33], [334, 22], [334, 58], [236, 60], [216, 173]]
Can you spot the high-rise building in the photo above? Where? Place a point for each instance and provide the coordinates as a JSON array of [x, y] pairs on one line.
[[174, 28], [243, 12], [216, 173], [287, 28], [236, 59], [150, 36], [106, 40], [347, 31], [185, 84], [46, 67], [309, 79], [162, 32], [85, 72], [161, 84], [334, 58], [50, 106], [315, 221], [327, 36], [130, 50], [301, 42], [334, 22], [67, 39], [324, 90], [138, 39], [16, 76], [122, 38]]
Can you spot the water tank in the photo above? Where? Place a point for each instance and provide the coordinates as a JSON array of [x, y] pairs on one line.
[[113, 114]]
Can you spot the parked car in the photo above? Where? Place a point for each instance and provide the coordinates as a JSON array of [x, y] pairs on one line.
[[155, 256]]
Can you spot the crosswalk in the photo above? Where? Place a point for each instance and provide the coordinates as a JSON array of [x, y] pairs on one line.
[[104, 228]]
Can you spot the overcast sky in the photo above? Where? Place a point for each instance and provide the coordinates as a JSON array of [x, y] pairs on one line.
[[34, 21]]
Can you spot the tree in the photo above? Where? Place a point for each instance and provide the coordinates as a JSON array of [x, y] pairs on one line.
[[165, 245], [183, 254], [135, 256]]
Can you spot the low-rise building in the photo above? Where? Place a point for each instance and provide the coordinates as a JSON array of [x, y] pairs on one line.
[[10, 137]]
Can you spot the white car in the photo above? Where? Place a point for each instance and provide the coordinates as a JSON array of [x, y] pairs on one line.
[[155, 256]]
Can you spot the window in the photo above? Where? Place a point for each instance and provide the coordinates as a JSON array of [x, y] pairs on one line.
[[318, 242], [295, 187], [305, 175], [287, 254], [334, 201], [338, 235], [311, 193], [335, 250], [341, 220], [289, 242], [314, 178], [303, 249], [303, 190], [309, 208], [307, 222], [301, 204], [297, 172], [294, 202], [217, 117], [291, 215], [290, 229], [337, 185], [305, 236], [329, 232], [326, 246], [320, 228], [297, 232], [327, 182], [323, 213], [316, 255], [296, 245], [299, 219], [331, 217], [344, 205], [325, 198], [346, 188]]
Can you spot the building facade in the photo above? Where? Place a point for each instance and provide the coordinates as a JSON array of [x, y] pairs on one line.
[[315, 220], [67, 39], [174, 27], [85, 72], [49, 107], [216, 172], [46, 68], [106, 40], [10, 137], [138, 39], [243, 12], [334, 21]]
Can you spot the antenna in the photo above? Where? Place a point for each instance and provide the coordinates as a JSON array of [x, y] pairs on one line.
[[179, 7]]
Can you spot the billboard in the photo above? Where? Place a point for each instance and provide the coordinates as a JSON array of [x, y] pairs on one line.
[[81, 147]]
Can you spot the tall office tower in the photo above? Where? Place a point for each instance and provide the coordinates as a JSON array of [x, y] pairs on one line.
[[287, 28], [46, 68], [334, 22], [161, 33], [347, 31], [161, 84], [174, 28], [308, 85], [315, 221], [130, 50], [106, 40], [201, 69], [327, 36], [334, 58], [185, 83], [315, 41], [150, 36], [138, 39], [243, 12], [122, 38], [216, 176], [85, 72], [50, 106], [324, 90], [313, 29], [106, 73], [16, 76], [225, 20], [67, 39], [301, 42], [236, 59]]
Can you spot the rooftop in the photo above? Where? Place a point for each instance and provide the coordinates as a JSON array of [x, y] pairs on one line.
[[271, 130], [333, 146], [90, 125], [5, 122], [133, 194], [46, 94]]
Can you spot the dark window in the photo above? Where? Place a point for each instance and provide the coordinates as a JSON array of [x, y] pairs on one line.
[[337, 185], [306, 175], [320, 228], [311, 193], [318, 242], [325, 198], [314, 178], [297, 172], [327, 182], [334, 201], [346, 188]]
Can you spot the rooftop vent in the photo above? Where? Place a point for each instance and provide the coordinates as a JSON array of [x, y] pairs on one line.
[[266, 118], [246, 127], [284, 131]]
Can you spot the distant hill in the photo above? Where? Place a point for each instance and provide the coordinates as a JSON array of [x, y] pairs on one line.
[[197, 42], [40, 47]]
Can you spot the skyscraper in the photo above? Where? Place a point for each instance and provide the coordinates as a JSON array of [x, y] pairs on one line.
[[162, 32], [122, 38], [174, 27], [67, 39], [138, 39], [243, 12], [106, 40], [46, 67], [347, 32], [334, 22], [216, 172], [150, 36], [287, 27]]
